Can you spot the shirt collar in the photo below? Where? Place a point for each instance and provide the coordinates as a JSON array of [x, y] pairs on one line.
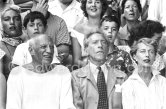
[[94, 69], [135, 75]]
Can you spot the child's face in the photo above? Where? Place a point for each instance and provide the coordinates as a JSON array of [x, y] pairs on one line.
[[35, 27], [110, 30]]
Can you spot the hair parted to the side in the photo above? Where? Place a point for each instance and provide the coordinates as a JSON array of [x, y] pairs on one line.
[[87, 37], [104, 7], [146, 41], [33, 16]]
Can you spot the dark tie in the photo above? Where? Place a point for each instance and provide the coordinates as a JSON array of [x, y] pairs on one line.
[[102, 88]]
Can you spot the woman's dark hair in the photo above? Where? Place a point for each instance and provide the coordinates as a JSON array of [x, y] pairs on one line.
[[138, 4], [145, 29], [111, 18], [104, 7], [32, 16]]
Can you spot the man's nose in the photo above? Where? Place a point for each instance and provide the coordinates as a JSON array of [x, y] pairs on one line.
[[11, 21], [48, 49], [36, 27]]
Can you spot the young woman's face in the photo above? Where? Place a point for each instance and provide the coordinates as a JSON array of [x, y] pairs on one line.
[[11, 23], [145, 55], [131, 11], [94, 8], [110, 30]]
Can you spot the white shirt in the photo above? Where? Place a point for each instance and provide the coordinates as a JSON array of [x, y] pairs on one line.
[[95, 71], [30, 90], [137, 95], [157, 12], [71, 15], [22, 56]]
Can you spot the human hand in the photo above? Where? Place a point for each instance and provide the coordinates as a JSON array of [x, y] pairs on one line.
[[42, 6]]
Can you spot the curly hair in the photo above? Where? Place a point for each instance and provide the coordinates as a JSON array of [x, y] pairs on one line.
[[104, 7], [138, 4], [145, 29]]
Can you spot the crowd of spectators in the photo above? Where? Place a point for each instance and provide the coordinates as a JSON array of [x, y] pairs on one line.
[[82, 54]]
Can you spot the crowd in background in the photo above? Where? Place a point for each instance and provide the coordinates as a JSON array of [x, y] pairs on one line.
[[82, 54]]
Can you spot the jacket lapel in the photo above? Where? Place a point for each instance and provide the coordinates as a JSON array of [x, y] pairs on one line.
[[86, 73], [111, 79]]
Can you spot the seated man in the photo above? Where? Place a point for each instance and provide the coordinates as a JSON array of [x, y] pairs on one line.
[[40, 85], [94, 85], [34, 23]]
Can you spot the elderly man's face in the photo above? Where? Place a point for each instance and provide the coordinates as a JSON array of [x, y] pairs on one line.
[[97, 47], [44, 50], [11, 22]]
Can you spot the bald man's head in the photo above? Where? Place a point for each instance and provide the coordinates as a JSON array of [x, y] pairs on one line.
[[41, 48]]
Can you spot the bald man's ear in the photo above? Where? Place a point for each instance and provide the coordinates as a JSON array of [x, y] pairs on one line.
[[31, 50]]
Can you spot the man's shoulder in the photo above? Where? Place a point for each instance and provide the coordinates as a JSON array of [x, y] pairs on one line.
[[55, 17], [81, 72], [16, 71], [60, 69]]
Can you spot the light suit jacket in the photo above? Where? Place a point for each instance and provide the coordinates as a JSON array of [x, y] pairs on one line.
[[84, 86]]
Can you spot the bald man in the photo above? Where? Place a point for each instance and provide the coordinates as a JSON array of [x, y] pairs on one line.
[[40, 85]]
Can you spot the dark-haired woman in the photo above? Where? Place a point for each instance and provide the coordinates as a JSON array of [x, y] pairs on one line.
[[93, 11]]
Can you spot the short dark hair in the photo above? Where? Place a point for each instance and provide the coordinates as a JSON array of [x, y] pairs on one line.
[[104, 7], [145, 29], [111, 18], [138, 4], [32, 16]]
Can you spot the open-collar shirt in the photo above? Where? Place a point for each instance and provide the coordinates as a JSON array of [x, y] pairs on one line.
[[137, 95]]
